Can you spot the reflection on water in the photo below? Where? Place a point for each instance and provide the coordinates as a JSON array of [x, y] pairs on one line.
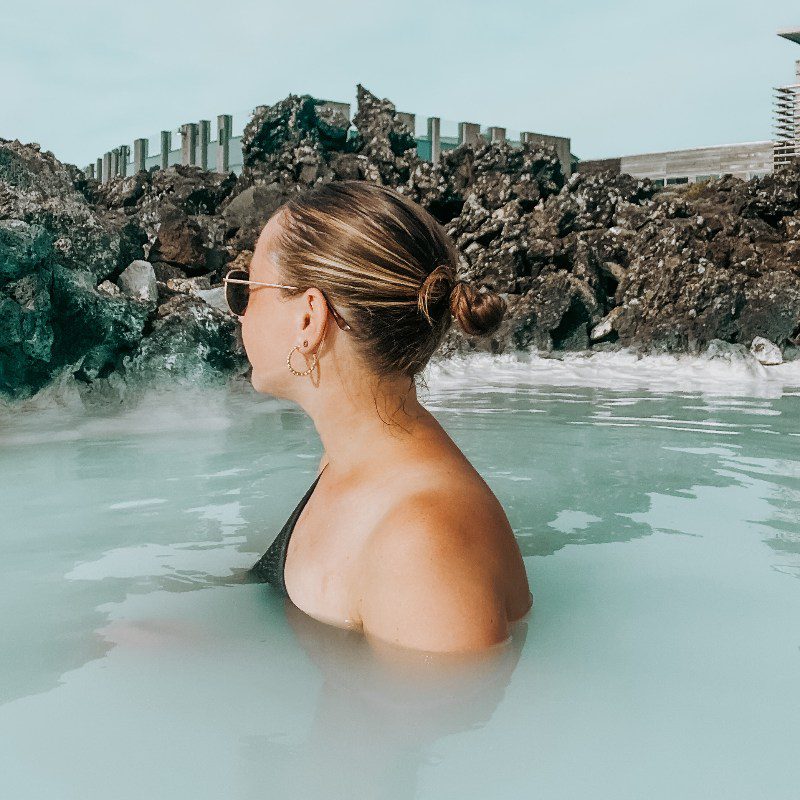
[[580, 473], [128, 604]]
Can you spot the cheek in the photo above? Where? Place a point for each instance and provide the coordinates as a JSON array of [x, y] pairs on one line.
[[253, 337], [262, 342]]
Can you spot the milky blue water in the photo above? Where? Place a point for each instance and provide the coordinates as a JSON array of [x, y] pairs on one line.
[[656, 503]]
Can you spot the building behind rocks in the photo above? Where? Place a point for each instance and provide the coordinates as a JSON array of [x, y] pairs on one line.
[[743, 159]]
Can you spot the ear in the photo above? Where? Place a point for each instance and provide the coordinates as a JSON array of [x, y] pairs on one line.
[[314, 319]]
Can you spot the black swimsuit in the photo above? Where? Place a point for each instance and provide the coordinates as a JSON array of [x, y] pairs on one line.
[[269, 568]]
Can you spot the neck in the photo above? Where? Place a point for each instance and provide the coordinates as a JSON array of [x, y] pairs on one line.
[[361, 419]]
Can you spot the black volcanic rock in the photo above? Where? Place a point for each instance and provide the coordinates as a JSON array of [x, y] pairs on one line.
[[598, 260], [58, 252], [389, 148], [292, 142], [189, 342]]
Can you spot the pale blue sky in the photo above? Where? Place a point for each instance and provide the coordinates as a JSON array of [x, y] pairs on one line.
[[618, 77]]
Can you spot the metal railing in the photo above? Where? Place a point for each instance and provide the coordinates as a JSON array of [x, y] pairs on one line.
[[786, 125]]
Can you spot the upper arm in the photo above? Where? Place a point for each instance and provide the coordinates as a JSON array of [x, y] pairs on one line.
[[423, 585]]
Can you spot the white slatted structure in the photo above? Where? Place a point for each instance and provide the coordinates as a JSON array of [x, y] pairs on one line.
[[786, 113]]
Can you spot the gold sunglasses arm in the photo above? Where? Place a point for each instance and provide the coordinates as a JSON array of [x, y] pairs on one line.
[[258, 283], [338, 317]]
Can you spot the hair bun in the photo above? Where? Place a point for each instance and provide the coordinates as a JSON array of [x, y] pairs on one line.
[[479, 313]]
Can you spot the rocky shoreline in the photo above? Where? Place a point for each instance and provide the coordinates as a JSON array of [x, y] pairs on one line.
[[117, 286]]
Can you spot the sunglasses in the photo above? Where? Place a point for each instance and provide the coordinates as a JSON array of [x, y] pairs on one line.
[[237, 294]]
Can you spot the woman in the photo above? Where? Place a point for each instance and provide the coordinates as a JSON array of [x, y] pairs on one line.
[[399, 536]]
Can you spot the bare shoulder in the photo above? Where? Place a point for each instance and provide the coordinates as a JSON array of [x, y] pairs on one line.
[[441, 570]]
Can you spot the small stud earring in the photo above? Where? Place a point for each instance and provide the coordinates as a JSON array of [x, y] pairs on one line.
[[305, 344]]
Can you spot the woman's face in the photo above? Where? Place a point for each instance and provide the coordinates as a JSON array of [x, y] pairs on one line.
[[271, 325]]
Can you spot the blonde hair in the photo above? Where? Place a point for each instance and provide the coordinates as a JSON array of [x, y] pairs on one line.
[[387, 266]]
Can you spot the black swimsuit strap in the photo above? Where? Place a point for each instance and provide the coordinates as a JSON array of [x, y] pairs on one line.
[[270, 567]]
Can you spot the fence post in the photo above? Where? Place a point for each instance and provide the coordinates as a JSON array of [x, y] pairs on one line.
[[560, 144], [166, 146], [189, 143], [224, 128], [140, 147], [124, 154], [205, 138], [469, 133], [434, 137]]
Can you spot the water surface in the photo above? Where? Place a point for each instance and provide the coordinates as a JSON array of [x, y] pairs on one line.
[[657, 505]]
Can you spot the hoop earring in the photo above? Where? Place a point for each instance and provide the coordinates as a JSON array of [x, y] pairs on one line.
[[292, 369]]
